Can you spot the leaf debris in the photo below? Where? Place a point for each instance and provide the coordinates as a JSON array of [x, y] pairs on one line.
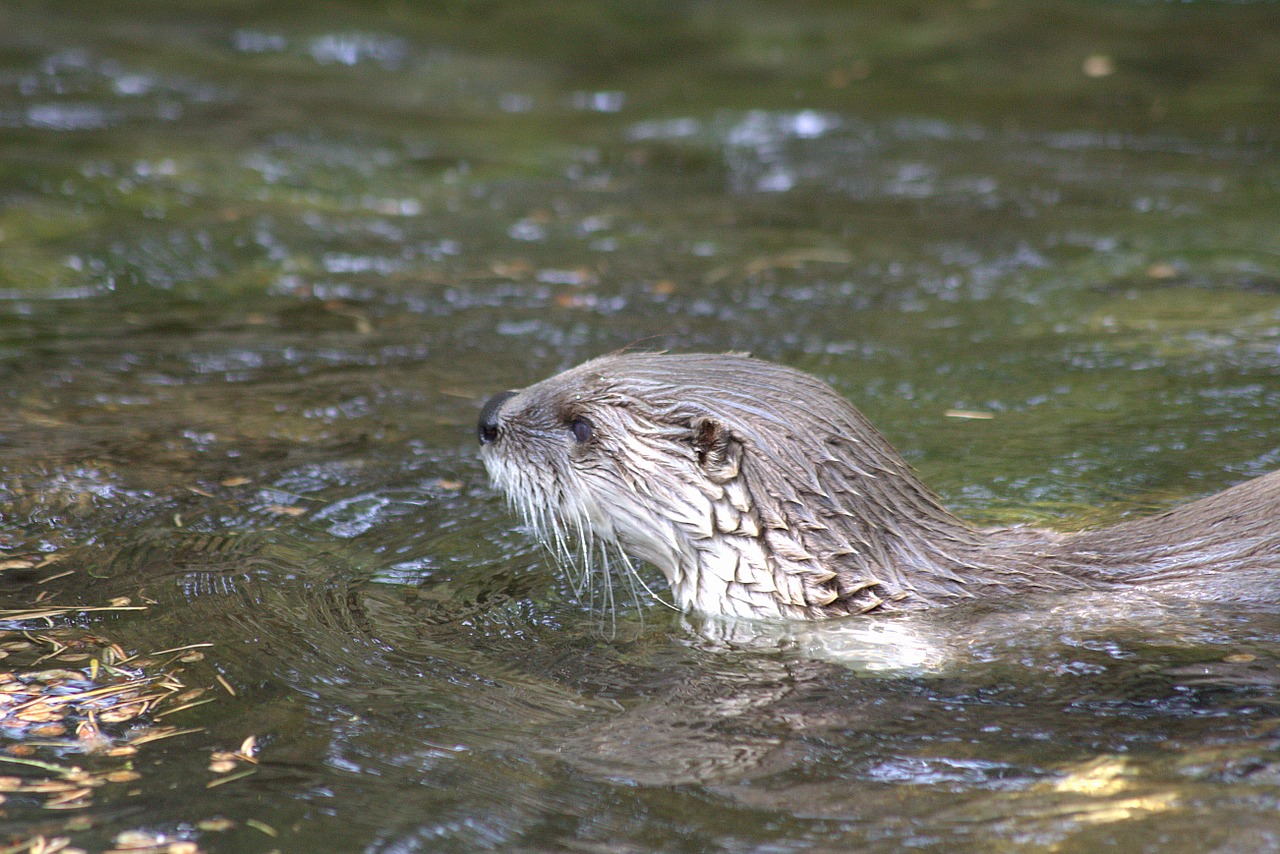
[[99, 701]]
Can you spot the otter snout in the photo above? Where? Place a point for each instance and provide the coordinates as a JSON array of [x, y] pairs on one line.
[[487, 428]]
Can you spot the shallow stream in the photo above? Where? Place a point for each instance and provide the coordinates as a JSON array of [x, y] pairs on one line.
[[260, 265]]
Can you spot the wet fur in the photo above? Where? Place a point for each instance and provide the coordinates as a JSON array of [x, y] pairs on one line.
[[758, 491]]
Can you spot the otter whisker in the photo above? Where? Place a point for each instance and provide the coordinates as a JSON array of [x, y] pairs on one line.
[[606, 587], [585, 565], [633, 577]]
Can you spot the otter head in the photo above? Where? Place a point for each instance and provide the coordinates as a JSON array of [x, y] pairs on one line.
[[754, 488]]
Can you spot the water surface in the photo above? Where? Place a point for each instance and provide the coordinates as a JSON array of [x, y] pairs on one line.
[[259, 268]]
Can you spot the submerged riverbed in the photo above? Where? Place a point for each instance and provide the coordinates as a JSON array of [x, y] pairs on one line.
[[260, 267]]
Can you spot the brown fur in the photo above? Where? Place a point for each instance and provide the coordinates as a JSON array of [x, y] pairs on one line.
[[758, 491]]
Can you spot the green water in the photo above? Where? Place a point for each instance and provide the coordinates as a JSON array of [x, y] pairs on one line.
[[261, 264]]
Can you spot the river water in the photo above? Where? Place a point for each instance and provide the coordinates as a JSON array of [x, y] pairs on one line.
[[260, 265]]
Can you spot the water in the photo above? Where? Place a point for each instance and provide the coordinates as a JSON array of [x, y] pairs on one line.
[[260, 268]]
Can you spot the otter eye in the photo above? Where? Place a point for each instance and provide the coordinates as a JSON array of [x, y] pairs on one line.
[[581, 429]]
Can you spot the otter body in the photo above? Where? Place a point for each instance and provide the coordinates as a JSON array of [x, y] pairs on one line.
[[760, 492]]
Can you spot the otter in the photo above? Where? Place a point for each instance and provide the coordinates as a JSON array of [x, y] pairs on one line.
[[759, 492]]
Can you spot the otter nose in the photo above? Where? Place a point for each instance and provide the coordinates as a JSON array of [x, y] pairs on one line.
[[487, 429]]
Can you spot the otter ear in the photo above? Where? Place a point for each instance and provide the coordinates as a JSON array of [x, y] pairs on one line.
[[718, 452]]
